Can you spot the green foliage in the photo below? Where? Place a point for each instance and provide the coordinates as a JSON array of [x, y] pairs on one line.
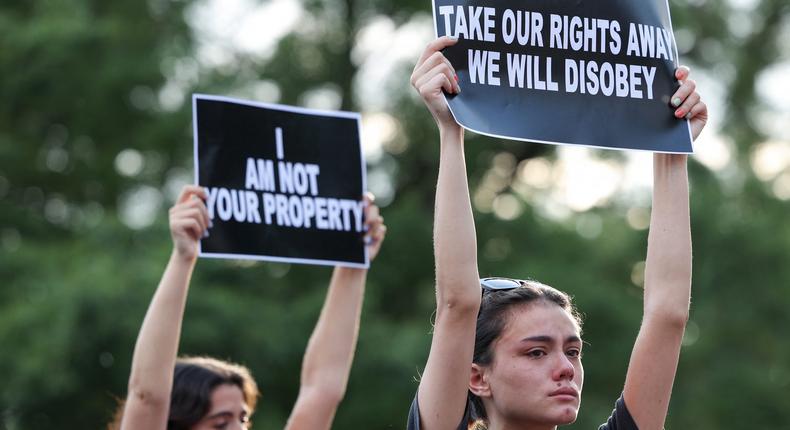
[[81, 82]]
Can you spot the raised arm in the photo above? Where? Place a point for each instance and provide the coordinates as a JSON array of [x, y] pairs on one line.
[[444, 384], [654, 360], [151, 380], [330, 351]]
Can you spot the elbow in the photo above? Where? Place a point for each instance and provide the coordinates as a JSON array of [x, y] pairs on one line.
[[457, 306], [671, 318], [149, 396], [149, 399], [328, 393], [455, 298]]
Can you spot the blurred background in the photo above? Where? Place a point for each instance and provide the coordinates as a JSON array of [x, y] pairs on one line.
[[96, 140]]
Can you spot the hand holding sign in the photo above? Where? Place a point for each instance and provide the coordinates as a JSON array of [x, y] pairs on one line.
[[688, 103], [432, 74], [188, 221], [374, 225]]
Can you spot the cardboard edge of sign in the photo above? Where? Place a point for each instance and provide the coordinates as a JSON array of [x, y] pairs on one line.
[[273, 106], [274, 259], [549, 142], [285, 108]]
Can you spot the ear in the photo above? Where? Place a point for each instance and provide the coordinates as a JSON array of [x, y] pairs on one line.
[[478, 381]]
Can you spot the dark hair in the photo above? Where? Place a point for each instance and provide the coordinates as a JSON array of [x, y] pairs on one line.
[[495, 308], [194, 379]]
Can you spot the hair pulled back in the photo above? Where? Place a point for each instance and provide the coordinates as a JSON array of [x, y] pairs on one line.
[[194, 379], [495, 308]]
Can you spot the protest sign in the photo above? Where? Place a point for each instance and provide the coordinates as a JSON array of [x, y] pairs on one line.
[[596, 73], [284, 183]]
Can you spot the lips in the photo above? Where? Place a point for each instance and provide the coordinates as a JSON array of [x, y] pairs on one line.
[[565, 391]]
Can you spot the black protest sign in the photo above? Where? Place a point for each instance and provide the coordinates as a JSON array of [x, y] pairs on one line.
[[585, 72], [284, 183]]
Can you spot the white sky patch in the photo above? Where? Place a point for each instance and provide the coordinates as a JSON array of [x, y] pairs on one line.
[[377, 129], [769, 159], [585, 180], [139, 207], [714, 151], [129, 162], [773, 86], [379, 51], [743, 4], [224, 27]]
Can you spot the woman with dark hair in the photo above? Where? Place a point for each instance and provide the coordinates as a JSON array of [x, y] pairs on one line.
[[506, 354], [205, 393]]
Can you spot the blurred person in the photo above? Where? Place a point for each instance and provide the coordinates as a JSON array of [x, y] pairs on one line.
[[205, 393], [506, 354]]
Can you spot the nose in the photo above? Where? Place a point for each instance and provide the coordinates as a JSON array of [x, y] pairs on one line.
[[563, 368]]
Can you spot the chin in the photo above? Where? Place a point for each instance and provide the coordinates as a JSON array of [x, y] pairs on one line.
[[567, 416]]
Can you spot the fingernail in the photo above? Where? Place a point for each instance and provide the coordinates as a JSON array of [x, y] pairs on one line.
[[679, 113], [456, 78], [205, 234], [368, 240], [676, 102], [688, 115]]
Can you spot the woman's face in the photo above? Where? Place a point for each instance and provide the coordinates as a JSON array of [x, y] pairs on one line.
[[536, 376], [228, 411]]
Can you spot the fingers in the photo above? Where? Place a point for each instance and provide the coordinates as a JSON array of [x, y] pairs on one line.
[[374, 222], [369, 199], [682, 73], [190, 226], [685, 108], [686, 89], [434, 46], [425, 82], [376, 234], [434, 60], [686, 100], [372, 216], [190, 190], [700, 109], [441, 76], [189, 214]]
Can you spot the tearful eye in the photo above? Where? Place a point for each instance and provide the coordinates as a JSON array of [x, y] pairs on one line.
[[536, 353]]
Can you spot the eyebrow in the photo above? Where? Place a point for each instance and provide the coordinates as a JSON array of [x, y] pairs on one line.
[[220, 414], [549, 339]]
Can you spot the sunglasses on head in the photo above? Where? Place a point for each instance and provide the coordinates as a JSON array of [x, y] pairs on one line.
[[500, 284]]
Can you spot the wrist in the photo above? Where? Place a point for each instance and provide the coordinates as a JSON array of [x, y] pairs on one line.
[[670, 160], [349, 276], [450, 129], [451, 136], [183, 255]]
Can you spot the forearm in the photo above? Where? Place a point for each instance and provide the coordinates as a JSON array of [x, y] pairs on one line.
[[157, 344], [668, 265], [330, 351], [455, 243]]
